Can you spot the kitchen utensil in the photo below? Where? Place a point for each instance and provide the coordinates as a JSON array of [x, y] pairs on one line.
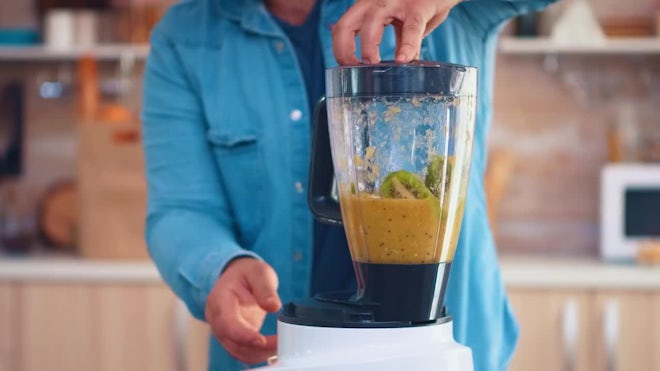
[[57, 216], [399, 139]]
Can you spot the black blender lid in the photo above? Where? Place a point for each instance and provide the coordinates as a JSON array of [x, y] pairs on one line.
[[390, 78]]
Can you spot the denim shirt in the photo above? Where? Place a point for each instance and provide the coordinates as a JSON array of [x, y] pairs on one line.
[[226, 127]]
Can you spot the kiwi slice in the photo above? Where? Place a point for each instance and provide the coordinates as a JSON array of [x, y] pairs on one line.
[[404, 184], [435, 172]]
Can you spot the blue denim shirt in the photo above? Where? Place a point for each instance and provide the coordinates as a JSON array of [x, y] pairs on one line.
[[227, 145]]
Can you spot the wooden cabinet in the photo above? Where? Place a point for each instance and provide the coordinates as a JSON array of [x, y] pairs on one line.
[[554, 333], [627, 330], [586, 329], [8, 329], [105, 327], [56, 328]]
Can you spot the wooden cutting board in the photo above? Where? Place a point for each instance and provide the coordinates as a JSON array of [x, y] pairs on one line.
[[58, 216]]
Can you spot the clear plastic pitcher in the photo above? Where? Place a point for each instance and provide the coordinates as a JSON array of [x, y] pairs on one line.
[[401, 141]]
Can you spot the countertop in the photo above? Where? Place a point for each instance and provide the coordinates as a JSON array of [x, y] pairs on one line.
[[517, 271], [579, 273], [71, 269]]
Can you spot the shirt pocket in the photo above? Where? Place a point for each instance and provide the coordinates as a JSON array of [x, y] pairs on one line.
[[241, 162]]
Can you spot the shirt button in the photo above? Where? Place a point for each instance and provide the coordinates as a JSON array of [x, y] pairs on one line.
[[299, 187], [279, 46], [297, 256], [295, 115]]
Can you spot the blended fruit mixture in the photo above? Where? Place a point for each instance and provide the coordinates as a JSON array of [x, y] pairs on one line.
[[398, 230]]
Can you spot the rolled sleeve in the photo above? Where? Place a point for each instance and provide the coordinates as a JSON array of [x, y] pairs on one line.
[[190, 231]]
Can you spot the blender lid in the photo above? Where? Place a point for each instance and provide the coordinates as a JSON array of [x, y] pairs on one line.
[[390, 78]]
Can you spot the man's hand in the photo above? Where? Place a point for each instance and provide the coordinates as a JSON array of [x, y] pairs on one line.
[[236, 308], [412, 20]]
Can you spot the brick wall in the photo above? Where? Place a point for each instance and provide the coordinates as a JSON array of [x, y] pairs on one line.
[[558, 139]]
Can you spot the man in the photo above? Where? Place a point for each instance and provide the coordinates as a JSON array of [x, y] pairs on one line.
[[229, 91]]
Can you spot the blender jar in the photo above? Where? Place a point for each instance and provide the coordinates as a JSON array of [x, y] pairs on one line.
[[401, 141]]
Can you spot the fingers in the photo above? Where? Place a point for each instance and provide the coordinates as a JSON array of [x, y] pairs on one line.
[[240, 332], [344, 33], [252, 354], [412, 20], [237, 305], [231, 322], [434, 22], [238, 335], [370, 24], [412, 32], [263, 283], [371, 34]]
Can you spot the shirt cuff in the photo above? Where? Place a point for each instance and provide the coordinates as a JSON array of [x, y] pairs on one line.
[[203, 275]]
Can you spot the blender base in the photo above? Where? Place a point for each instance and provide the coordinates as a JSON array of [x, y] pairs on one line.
[[420, 348]]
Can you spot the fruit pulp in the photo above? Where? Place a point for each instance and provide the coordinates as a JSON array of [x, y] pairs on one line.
[[399, 230]]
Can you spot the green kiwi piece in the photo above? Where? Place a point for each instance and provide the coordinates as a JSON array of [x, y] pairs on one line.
[[404, 184], [435, 172]]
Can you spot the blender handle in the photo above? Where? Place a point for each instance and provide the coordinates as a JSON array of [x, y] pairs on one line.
[[322, 192]]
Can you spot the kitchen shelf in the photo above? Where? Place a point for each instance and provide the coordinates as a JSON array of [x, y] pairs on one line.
[[45, 54], [617, 46]]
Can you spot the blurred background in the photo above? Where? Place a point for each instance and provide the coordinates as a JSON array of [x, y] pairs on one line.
[[577, 93]]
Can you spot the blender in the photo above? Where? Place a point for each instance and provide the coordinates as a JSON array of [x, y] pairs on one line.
[[391, 161]]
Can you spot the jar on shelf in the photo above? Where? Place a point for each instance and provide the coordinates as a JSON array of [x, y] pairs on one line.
[[136, 18], [18, 23], [624, 133]]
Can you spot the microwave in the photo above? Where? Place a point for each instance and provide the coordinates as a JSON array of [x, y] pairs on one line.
[[629, 209]]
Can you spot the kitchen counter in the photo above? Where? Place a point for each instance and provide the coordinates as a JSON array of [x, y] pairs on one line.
[[69, 269], [577, 273], [519, 272]]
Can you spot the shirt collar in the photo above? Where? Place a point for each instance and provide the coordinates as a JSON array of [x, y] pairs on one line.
[[251, 14]]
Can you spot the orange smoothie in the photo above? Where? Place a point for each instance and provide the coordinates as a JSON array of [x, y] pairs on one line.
[[398, 230]]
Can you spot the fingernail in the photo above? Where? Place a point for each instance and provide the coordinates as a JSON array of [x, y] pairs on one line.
[[270, 301], [258, 342]]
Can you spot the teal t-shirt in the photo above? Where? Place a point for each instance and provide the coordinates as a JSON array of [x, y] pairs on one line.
[[332, 267]]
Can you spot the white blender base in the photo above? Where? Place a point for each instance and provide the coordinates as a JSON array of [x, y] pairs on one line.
[[421, 348]]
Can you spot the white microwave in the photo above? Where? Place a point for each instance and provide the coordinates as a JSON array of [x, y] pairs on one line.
[[630, 209]]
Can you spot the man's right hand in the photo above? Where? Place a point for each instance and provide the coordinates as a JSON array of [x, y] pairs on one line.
[[412, 21], [236, 308]]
